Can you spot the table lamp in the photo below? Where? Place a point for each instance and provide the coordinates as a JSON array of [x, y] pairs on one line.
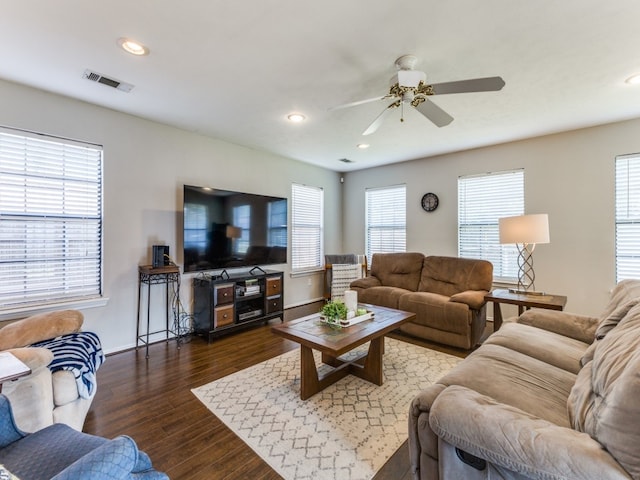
[[525, 231]]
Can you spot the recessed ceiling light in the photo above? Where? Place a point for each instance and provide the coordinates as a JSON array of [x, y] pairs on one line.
[[633, 79], [296, 117], [362, 146], [133, 47]]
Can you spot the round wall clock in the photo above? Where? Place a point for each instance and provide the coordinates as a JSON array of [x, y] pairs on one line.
[[429, 202]]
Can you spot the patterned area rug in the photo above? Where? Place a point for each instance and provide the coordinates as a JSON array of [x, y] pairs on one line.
[[347, 431]]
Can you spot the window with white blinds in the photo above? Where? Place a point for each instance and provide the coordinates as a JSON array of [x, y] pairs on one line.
[[306, 227], [627, 217], [482, 200], [386, 220], [50, 220]]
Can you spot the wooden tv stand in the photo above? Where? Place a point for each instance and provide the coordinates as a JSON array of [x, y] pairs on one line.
[[230, 302]]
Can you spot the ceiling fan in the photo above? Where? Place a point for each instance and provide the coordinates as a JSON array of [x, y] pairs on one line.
[[408, 87]]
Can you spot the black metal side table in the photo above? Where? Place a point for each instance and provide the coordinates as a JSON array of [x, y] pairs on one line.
[[168, 276]]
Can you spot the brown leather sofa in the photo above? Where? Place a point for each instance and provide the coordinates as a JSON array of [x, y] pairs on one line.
[[445, 293]]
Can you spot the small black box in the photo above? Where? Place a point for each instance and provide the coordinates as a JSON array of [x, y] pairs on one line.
[[160, 256]]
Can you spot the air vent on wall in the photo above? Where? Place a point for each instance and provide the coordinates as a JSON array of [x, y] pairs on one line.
[[109, 82]]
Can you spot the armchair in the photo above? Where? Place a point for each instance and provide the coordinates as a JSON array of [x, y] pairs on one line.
[[59, 452], [48, 395]]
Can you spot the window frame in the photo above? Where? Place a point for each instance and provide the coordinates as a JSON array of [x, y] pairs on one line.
[[486, 206], [305, 200], [627, 216], [389, 219], [55, 158]]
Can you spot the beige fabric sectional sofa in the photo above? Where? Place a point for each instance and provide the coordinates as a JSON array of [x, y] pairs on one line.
[[445, 293], [551, 395]]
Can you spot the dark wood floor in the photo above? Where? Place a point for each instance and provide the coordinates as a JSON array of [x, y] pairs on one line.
[[151, 401]]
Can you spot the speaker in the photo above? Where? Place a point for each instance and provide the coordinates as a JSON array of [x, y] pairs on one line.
[[160, 256]]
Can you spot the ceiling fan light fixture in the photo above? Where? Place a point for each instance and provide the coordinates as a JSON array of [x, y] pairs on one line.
[[296, 117], [409, 78], [633, 79], [133, 47]]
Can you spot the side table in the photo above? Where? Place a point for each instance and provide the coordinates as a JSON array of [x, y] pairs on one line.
[[168, 276], [522, 300], [11, 368]]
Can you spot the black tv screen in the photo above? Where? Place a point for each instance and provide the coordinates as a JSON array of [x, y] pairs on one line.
[[225, 229]]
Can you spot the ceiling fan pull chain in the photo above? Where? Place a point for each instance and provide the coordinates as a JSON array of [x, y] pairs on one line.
[[401, 112]]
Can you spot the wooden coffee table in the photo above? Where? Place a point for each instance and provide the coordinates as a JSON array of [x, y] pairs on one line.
[[312, 334]]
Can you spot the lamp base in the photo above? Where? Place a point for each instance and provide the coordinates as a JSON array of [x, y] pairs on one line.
[[525, 292]]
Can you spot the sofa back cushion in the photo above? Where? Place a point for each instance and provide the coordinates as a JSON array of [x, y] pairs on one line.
[[401, 270], [623, 292], [451, 275], [604, 400]]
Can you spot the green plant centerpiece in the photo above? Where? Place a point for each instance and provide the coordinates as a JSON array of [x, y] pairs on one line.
[[334, 311]]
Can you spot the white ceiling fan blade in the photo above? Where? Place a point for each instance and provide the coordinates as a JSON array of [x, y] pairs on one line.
[[434, 113], [359, 102], [380, 118], [487, 84]]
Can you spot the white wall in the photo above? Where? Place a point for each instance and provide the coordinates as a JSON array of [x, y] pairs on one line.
[[145, 166], [570, 176]]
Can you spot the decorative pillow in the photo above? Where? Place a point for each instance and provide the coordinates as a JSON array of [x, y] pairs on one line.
[[40, 327]]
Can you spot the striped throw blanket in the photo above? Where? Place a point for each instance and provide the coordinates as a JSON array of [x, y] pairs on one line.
[[79, 353]]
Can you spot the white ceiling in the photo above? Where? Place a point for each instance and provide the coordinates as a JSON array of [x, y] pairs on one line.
[[234, 69]]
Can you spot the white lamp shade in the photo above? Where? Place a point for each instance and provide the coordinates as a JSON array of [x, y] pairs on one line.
[[524, 229]]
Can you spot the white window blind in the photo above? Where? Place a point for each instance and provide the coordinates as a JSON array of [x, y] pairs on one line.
[[482, 200], [627, 217], [306, 227], [50, 220], [386, 220]]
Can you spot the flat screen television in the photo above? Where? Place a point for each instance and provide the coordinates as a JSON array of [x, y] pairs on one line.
[[225, 229]]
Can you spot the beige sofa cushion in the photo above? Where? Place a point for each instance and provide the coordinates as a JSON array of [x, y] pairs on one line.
[[65, 389], [451, 275], [516, 379], [549, 347], [604, 400], [623, 292], [611, 321], [401, 270]]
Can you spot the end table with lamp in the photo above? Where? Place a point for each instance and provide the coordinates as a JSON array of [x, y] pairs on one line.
[[523, 301]]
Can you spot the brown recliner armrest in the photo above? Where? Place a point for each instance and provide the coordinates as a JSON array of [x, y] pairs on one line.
[[366, 282], [473, 298], [40, 327]]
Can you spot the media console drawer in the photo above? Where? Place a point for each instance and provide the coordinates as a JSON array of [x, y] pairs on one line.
[[223, 316], [274, 286], [224, 293], [274, 304]]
